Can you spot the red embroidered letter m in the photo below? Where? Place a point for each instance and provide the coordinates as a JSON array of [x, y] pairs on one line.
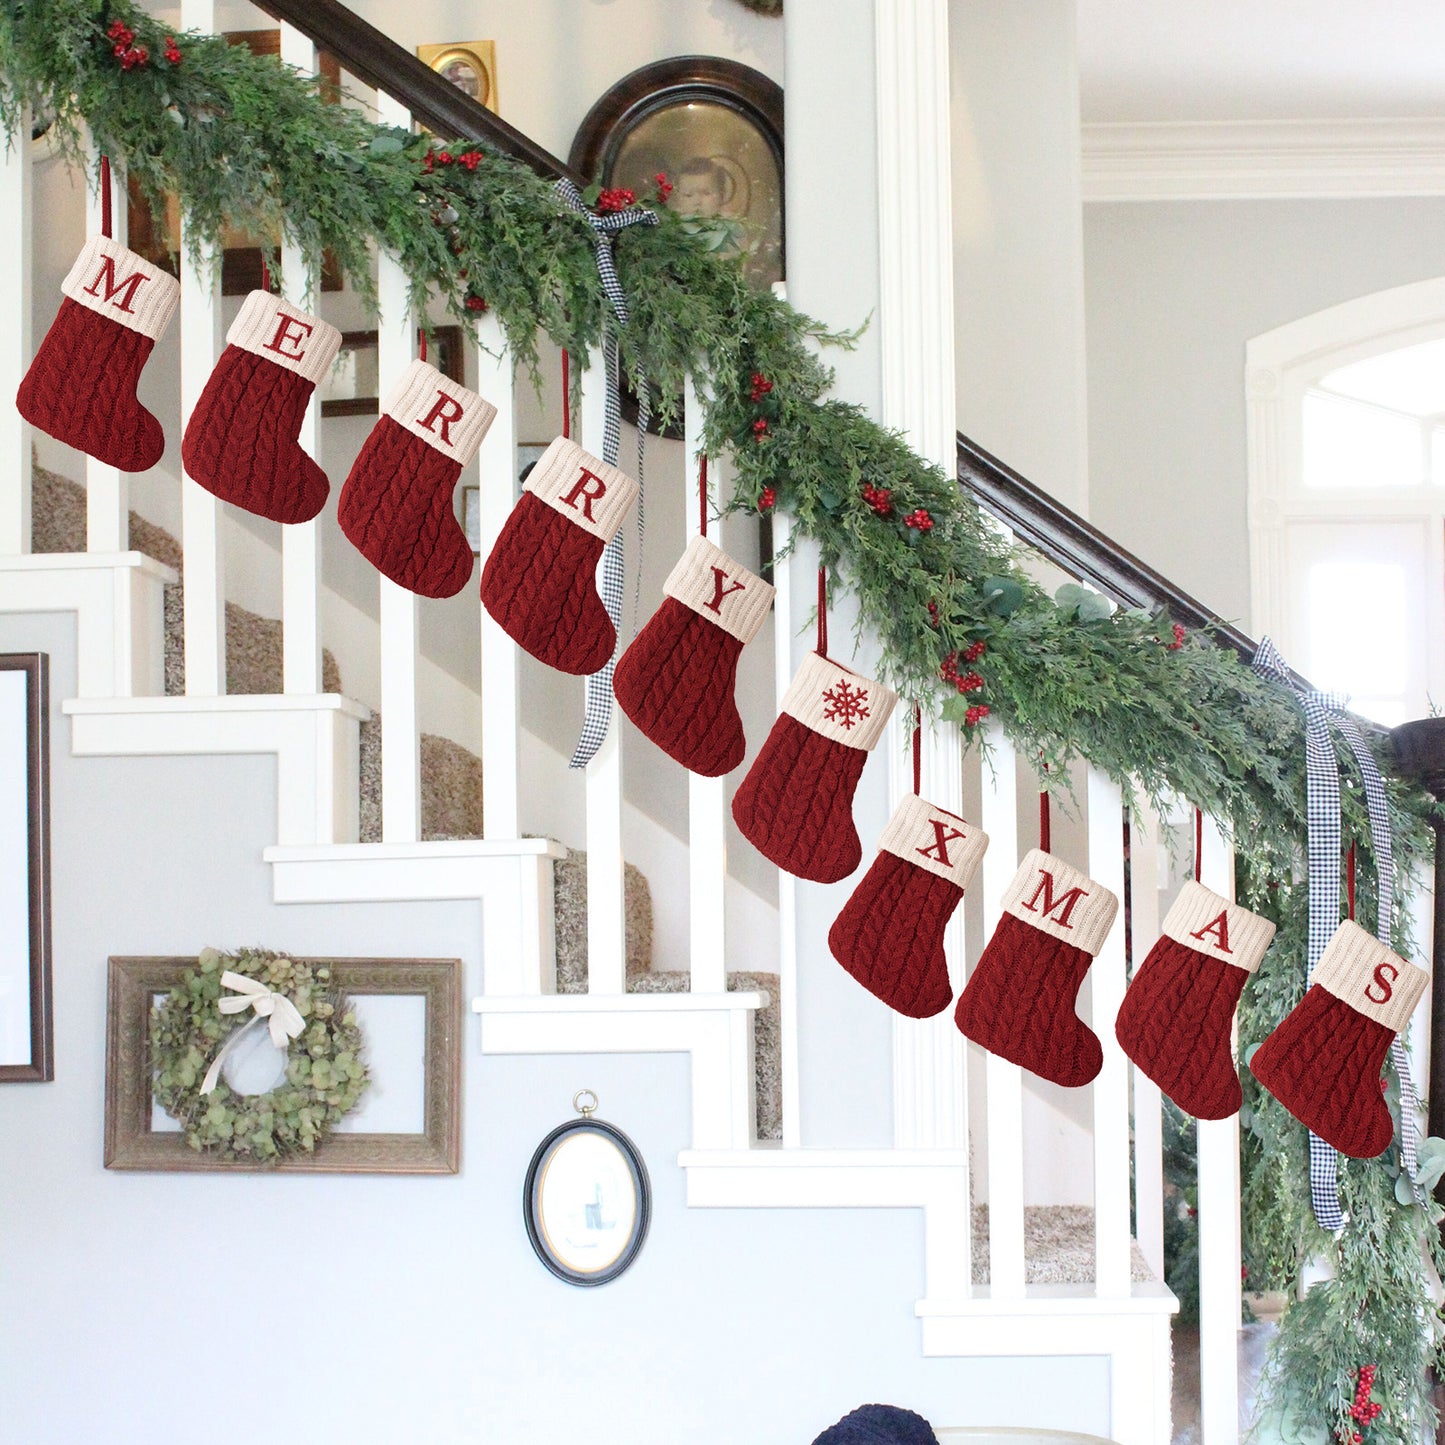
[[125, 289], [1063, 907]]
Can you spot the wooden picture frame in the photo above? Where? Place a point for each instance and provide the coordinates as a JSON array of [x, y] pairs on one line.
[[27, 1042], [131, 1143], [470, 65], [715, 127], [354, 370]]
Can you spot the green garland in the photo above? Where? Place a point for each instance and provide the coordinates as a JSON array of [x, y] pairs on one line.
[[325, 1075], [962, 628]]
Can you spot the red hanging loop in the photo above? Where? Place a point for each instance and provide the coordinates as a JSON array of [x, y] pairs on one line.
[[421, 342], [566, 393], [1198, 845], [702, 495], [265, 273], [917, 749], [105, 199], [1045, 819], [822, 612], [1350, 880]]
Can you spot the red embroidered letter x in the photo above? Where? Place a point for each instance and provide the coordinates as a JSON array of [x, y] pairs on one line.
[[943, 835]]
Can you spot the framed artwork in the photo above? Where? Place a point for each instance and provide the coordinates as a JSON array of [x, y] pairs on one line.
[[408, 1121], [587, 1201], [351, 388], [470, 65], [26, 1028], [716, 129]]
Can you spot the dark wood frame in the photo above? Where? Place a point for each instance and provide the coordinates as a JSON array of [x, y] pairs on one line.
[[130, 1143], [36, 667], [641, 1184], [667, 83], [447, 355]]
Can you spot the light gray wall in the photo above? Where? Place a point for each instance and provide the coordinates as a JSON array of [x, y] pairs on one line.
[[378, 1310], [1174, 291]]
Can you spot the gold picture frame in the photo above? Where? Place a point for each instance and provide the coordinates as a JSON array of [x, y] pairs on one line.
[[131, 1143], [470, 65]]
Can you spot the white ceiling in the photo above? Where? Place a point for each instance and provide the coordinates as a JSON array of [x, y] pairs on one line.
[[1160, 60]]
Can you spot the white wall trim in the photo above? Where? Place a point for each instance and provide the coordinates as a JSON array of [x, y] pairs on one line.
[[1238, 160]]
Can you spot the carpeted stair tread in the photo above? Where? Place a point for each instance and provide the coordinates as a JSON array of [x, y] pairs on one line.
[[1058, 1246]]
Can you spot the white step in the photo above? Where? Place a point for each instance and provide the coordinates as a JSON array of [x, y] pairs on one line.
[[315, 739]]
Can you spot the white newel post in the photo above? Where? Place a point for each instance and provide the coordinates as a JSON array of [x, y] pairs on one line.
[[706, 797], [1219, 1230], [15, 218], [107, 490], [300, 543], [400, 742], [606, 925]]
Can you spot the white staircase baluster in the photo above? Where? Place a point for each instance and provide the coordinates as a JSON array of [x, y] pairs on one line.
[[300, 543], [606, 938], [782, 580], [400, 741], [16, 215], [1219, 1241], [706, 797], [1003, 1080], [1111, 1088], [1144, 844], [501, 687], [107, 489]]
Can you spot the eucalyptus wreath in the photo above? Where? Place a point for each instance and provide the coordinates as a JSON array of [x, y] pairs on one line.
[[325, 1073], [962, 628]]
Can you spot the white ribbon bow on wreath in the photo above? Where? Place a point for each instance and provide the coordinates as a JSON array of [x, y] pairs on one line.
[[275, 1009]]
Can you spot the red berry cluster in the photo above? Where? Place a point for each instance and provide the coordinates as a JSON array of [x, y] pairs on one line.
[[919, 520], [664, 187], [1364, 1410], [469, 160], [617, 199], [880, 499], [1178, 638], [766, 498], [173, 51], [760, 428], [476, 303], [933, 613], [125, 50], [974, 651], [761, 387], [976, 714], [963, 681]]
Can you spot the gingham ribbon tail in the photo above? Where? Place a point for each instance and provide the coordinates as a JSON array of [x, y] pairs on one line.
[[1322, 808], [598, 714]]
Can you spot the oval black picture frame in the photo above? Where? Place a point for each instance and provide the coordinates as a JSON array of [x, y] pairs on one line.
[[642, 1190], [640, 96]]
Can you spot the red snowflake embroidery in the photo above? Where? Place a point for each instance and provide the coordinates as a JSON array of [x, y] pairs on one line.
[[846, 705]]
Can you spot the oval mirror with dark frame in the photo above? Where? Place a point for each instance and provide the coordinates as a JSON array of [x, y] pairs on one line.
[[587, 1201], [715, 128]]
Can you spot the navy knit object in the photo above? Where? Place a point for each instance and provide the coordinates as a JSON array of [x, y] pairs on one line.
[[879, 1425]]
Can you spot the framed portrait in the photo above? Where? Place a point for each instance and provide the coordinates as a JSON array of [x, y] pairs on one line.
[[26, 1029], [469, 65], [351, 387], [587, 1201], [407, 1122]]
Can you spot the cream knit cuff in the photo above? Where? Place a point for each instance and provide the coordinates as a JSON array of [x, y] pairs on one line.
[[841, 705], [439, 411], [1360, 971], [930, 838], [1059, 900], [714, 586], [276, 331], [1202, 920], [582, 488], [112, 281]]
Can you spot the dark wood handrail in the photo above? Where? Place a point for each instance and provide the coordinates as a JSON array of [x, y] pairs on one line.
[[376, 59], [1083, 551]]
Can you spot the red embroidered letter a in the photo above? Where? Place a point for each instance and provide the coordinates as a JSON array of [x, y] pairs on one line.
[[1220, 928]]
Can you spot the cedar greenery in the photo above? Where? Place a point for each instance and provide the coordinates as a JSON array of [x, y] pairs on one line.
[[238, 137]]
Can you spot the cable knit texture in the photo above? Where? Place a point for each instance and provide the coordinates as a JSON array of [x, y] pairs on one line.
[[879, 1425], [1176, 1023], [241, 440], [1323, 1064], [540, 585], [889, 935], [676, 683], [1020, 1003], [796, 804], [396, 507], [81, 389]]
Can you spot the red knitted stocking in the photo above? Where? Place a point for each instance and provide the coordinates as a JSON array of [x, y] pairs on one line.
[[240, 442], [540, 580], [889, 935], [81, 387], [1323, 1062], [796, 804], [676, 679], [1020, 1000], [1177, 1018], [396, 504]]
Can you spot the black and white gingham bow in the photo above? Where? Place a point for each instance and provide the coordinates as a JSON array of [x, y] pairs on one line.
[[1322, 810], [598, 714]]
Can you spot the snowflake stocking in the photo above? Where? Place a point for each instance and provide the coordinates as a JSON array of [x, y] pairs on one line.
[[796, 804]]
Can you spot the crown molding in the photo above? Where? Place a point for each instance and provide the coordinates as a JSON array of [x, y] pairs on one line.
[[1276, 159]]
